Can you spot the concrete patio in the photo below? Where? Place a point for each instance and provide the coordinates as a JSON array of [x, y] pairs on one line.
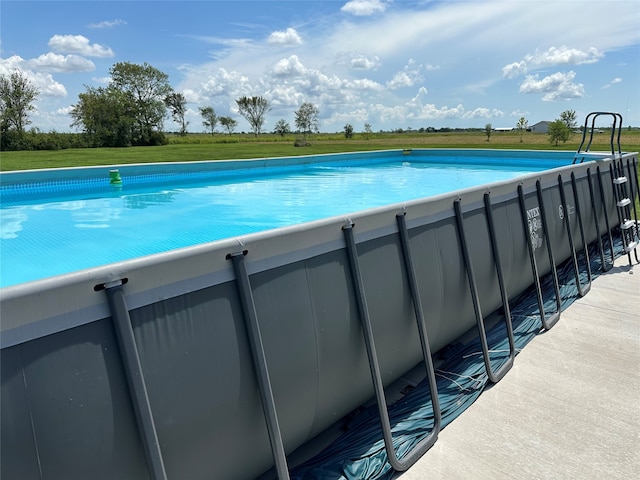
[[570, 406]]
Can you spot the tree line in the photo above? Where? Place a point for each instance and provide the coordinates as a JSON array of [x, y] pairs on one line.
[[131, 110]]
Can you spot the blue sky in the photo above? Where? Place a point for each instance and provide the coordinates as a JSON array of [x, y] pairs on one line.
[[392, 64]]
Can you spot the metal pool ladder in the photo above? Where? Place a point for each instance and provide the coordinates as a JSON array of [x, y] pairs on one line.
[[624, 183], [616, 127]]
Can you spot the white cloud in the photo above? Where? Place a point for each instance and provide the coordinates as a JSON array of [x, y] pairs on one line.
[[239, 43], [352, 116], [64, 110], [364, 8], [106, 24], [224, 83], [364, 62], [78, 44], [431, 112], [551, 58], [309, 82], [417, 100], [483, 112], [44, 82], [515, 69], [193, 96], [288, 38], [399, 80], [102, 80], [54, 62], [558, 86], [613, 82], [289, 67], [564, 56], [364, 84], [408, 77], [286, 96]]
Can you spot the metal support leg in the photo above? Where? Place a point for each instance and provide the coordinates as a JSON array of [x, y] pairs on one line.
[[500, 272], [493, 376], [411, 457], [260, 363], [603, 262], [549, 244], [428, 441], [603, 202], [583, 236], [582, 290], [135, 379], [547, 323]]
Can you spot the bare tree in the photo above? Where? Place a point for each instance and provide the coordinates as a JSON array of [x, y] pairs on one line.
[[568, 117], [367, 130], [177, 103], [210, 118], [282, 128], [253, 109], [228, 123], [522, 126], [307, 118]]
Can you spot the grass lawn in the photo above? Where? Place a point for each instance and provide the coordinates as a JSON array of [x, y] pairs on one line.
[[195, 147]]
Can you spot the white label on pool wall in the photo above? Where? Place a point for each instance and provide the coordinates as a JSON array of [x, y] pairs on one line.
[[535, 227]]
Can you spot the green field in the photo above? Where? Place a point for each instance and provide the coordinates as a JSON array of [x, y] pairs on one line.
[[196, 147]]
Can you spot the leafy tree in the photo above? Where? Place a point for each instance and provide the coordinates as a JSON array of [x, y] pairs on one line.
[[253, 109], [568, 117], [522, 126], [367, 130], [147, 87], [106, 116], [348, 131], [177, 103], [210, 119], [282, 128], [487, 130], [307, 118], [558, 131], [228, 123], [17, 95]]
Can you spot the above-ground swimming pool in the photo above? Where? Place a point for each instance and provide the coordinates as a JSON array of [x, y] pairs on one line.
[[220, 359], [51, 226]]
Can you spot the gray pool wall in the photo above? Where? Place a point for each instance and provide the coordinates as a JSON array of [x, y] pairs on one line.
[[66, 407]]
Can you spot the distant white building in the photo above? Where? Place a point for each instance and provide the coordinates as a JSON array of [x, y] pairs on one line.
[[540, 127], [503, 129]]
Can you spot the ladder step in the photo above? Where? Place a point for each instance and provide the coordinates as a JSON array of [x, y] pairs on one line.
[[628, 224], [623, 203], [620, 180], [631, 246]]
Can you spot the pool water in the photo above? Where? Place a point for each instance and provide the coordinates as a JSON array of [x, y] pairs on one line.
[[51, 233]]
